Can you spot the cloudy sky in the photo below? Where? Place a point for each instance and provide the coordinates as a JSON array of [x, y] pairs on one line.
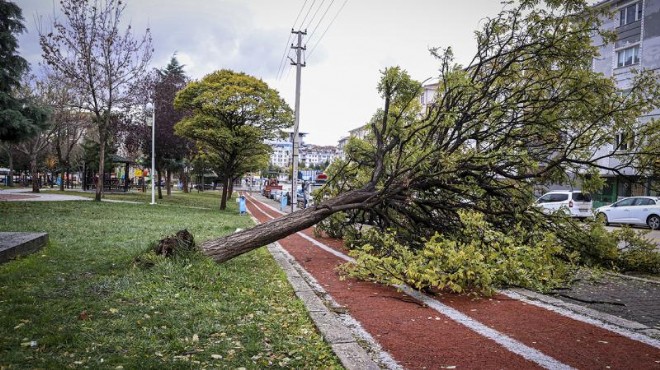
[[339, 81]]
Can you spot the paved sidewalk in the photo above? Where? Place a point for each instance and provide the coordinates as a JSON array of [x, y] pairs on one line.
[[26, 195]]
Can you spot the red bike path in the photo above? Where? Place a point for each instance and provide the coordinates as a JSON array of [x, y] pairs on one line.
[[458, 331]]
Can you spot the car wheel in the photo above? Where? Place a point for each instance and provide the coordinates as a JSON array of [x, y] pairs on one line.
[[601, 217], [654, 222]]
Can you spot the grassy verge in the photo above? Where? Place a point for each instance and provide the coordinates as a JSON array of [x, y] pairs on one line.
[[204, 199], [83, 302]]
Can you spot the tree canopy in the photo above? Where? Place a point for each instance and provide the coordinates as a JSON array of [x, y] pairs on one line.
[[526, 111], [102, 63], [231, 114], [171, 149], [19, 117]]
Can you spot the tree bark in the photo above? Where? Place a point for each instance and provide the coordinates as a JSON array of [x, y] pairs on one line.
[[168, 182], [184, 179], [230, 192], [10, 181], [160, 191], [223, 198], [101, 178], [34, 173], [233, 245], [63, 173]]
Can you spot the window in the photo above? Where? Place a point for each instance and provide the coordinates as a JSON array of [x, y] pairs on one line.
[[630, 13], [581, 197], [623, 141], [553, 197], [627, 57]]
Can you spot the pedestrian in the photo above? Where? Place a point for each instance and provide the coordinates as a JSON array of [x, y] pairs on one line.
[[242, 209], [283, 201]]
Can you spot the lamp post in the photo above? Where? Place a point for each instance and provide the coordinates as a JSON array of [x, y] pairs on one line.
[[152, 108]]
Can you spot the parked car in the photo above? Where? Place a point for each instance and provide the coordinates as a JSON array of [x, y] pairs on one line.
[[633, 211], [276, 194], [573, 202]]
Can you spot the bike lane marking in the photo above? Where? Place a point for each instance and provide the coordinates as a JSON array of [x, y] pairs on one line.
[[481, 341], [585, 343]]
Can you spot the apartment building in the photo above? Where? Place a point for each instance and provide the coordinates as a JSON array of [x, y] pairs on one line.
[[637, 25]]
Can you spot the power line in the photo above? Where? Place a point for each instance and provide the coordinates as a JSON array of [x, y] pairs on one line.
[[304, 19], [314, 15], [326, 30], [320, 20], [280, 70]]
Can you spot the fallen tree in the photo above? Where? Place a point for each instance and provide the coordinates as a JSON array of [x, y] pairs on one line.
[[527, 111]]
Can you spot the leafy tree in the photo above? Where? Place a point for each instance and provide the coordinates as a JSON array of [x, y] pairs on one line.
[[527, 110], [34, 147], [102, 63], [171, 150], [231, 115]]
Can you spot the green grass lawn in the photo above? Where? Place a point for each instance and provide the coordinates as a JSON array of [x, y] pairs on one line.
[[84, 302]]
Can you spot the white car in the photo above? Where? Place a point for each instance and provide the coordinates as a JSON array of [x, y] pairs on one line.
[[633, 211], [573, 202]]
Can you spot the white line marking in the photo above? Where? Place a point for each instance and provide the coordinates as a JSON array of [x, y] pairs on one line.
[[578, 317], [505, 341]]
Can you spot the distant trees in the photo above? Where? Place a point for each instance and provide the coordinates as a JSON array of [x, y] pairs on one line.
[[100, 62], [231, 114], [527, 109], [171, 150]]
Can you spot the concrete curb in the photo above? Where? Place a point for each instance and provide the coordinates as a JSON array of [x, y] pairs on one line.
[[342, 332], [15, 244]]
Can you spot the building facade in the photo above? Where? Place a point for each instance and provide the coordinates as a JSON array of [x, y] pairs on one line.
[[637, 25]]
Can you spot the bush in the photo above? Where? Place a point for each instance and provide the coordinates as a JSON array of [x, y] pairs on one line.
[[637, 254], [479, 260]]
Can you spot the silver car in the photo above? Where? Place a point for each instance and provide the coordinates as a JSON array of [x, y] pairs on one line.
[[643, 211]]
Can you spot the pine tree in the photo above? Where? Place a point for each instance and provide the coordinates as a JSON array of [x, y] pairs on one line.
[[17, 120]]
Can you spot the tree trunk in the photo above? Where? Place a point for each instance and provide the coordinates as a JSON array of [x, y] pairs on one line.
[[230, 191], [101, 178], [64, 173], [184, 179], [34, 173], [233, 245], [10, 181], [160, 191], [168, 182], [223, 198]]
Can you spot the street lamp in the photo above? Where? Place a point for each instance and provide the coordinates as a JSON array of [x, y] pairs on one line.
[[151, 107]]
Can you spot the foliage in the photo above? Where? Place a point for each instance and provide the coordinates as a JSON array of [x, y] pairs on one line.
[[636, 253], [19, 117], [99, 61], [171, 150], [527, 111], [84, 302], [231, 114], [478, 260]]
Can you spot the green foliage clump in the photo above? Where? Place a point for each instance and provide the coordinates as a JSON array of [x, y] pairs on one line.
[[479, 260], [334, 226], [636, 253]]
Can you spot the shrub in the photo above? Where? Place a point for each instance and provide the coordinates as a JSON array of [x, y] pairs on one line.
[[479, 260]]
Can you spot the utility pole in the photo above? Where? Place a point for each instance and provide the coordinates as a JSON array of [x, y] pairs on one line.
[[298, 63]]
